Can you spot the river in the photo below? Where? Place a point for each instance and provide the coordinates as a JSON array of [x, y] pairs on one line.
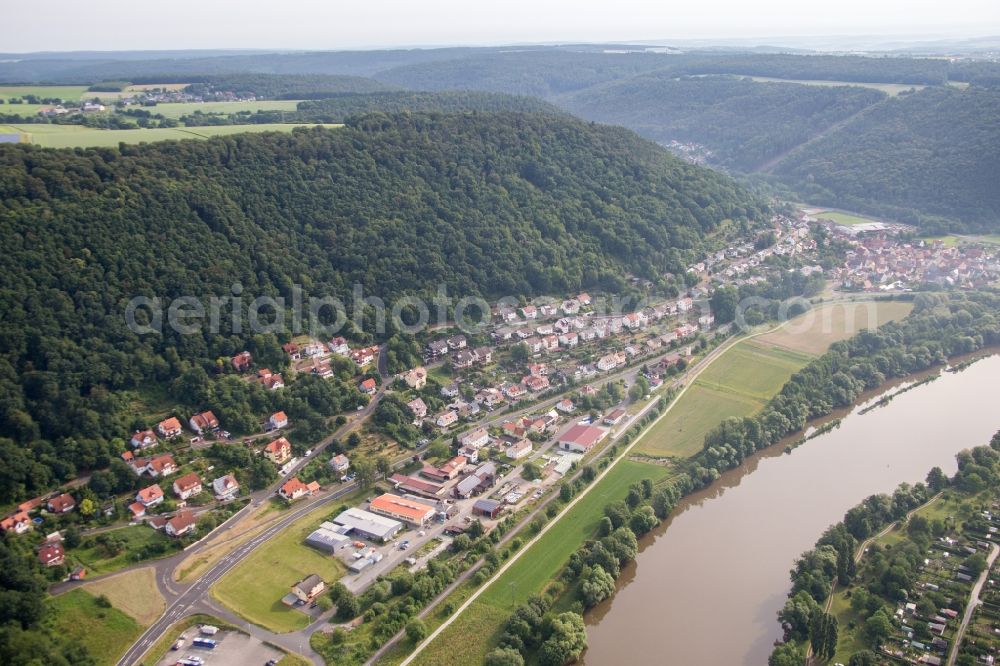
[[706, 585]]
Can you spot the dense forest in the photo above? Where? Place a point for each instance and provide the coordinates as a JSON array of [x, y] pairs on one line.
[[480, 204], [931, 153], [270, 86], [742, 122]]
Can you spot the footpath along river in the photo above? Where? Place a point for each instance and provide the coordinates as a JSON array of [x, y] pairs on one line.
[[706, 586]]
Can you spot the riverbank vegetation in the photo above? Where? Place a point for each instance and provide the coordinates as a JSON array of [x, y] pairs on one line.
[[891, 580]]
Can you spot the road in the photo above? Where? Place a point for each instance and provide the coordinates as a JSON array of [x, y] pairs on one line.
[[684, 382], [970, 607]]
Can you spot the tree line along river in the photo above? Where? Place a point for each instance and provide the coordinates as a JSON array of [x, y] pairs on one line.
[[706, 586]]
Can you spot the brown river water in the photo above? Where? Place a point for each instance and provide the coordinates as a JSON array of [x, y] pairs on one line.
[[706, 586]]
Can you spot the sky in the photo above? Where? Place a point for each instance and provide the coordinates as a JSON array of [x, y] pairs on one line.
[[111, 25]]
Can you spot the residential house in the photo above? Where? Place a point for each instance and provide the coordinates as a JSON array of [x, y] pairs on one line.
[[368, 386], [279, 451], [157, 466], [464, 359], [51, 554], [529, 312], [61, 504], [293, 489], [611, 361], [446, 419], [490, 398], [292, 350], [534, 383], [583, 299], [278, 420], [340, 463], [187, 486], [450, 391], [565, 406], [534, 344], [437, 348], [447, 471], [18, 523], [518, 448], [180, 524], [169, 428], [321, 368], [307, 589], [143, 439], [225, 487], [457, 342], [538, 370], [550, 343], [481, 479], [270, 380], [418, 408], [203, 422], [242, 361], [545, 329], [571, 306], [547, 310], [570, 339], [483, 355], [514, 391], [476, 438], [339, 346], [150, 495], [470, 453], [311, 349], [364, 356], [416, 378]]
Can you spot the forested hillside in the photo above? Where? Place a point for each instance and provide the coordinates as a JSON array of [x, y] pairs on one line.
[[933, 153], [482, 204], [271, 86], [744, 123]]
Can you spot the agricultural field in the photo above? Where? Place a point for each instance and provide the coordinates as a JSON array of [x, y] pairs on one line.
[[181, 109], [133, 592], [105, 632], [816, 330], [68, 93], [77, 136], [254, 588], [529, 575], [891, 89]]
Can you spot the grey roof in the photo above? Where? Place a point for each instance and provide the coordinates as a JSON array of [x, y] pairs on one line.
[[467, 485], [487, 505], [308, 583], [327, 539], [368, 522]]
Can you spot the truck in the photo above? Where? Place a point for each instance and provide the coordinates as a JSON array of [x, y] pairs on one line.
[[207, 643], [208, 630]]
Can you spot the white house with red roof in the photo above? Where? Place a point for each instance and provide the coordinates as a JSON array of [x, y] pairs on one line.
[[180, 524], [278, 451], [203, 422], [278, 420], [169, 428], [187, 486], [143, 439]]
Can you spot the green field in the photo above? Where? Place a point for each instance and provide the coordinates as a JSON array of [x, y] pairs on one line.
[[135, 539], [529, 574], [67, 93], [891, 89], [738, 383], [105, 632], [77, 136], [254, 588], [182, 109], [844, 218]]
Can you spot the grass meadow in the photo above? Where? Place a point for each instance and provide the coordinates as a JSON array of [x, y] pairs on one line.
[[105, 632], [77, 136]]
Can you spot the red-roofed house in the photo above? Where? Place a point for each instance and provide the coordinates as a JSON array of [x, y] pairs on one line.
[[368, 386], [225, 487], [18, 523], [615, 416], [182, 523], [293, 489], [62, 503], [278, 451], [51, 554], [143, 439], [278, 420], [169, 428], [203, 422], [138, 510], [158, 466], [187, 485], [150, 496], [242, 361]]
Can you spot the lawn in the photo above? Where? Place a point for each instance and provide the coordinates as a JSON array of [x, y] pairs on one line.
[[814, 331], [105, 632], [681, 432], [77, 136], [254, 588], [529, 575], [136, 539], [754, 370], [843, 218], [180, 109], [133, 592]]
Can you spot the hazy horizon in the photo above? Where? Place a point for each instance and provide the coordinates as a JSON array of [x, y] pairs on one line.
[[117, 25]]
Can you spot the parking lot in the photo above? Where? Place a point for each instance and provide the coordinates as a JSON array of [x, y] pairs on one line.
[[233, 649]]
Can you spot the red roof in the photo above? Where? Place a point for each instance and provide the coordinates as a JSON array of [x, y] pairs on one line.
[[293, 486], [147, 495], [62, 503], [51, 554], [187, 482], [582, 435], [277, 445], [368, 384]]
